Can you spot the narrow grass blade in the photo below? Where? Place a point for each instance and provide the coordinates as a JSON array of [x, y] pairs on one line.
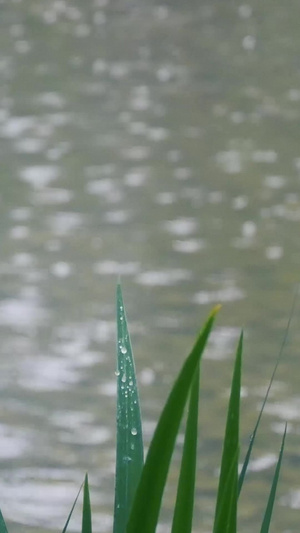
[[269, 510], [129, 460], [226, 506], [253, 436], [3, 528], [183, 513], [70, 513], [86, 511], [147, 502]]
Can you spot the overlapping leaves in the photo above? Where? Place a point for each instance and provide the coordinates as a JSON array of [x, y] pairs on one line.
[[139, 486]]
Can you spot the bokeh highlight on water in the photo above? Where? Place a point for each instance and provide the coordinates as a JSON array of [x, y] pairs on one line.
[[159, 143]]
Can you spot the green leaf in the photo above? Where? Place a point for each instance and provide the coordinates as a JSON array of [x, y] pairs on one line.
[[71, 512], [86, 511], [3, 528], [147, 502], [253, 436], [226, 506], [183, 513], [269, 510], [129, 460]]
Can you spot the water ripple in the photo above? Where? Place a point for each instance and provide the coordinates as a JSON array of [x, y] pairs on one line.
[[21, 314], [227, 294], [113, 267], [163, 277], [181, 226], [40, 176]]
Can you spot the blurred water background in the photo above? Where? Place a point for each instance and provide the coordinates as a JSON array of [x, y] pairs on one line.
[[159, 142]]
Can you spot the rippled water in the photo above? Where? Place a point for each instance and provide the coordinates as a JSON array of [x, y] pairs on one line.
[[159, 142]]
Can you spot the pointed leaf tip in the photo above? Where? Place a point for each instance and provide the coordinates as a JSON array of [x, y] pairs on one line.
[[70, 513], [216, 309], [86, 526], [3, 527], [129, 456], [144, 516], [269, 510]]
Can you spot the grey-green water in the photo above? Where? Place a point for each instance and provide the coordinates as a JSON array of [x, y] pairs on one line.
[[159, 142]]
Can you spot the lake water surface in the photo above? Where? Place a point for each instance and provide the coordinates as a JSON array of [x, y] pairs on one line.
[[158, 142]]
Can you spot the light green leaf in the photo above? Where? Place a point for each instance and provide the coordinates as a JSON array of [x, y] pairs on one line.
[[147, 502], [184, 507], [269, 510], [226, 506]]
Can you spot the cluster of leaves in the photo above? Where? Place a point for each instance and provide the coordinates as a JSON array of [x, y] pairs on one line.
[[140, 485]]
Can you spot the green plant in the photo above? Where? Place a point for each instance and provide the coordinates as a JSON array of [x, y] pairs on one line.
[[137, 481]]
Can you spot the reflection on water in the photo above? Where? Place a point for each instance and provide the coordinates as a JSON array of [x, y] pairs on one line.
[[159, 143]]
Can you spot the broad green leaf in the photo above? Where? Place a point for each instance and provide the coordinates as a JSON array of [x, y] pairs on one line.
[[253, 436], [226, 506], [147, 502], [3, 528], [183, 513], [129, 459], [86, 511], [71, 512], [269, 510]]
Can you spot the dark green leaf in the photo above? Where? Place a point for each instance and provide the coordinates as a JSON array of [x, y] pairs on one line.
[[86, 511], [253, 436], [3, 528], [71, 512], [129, 460]]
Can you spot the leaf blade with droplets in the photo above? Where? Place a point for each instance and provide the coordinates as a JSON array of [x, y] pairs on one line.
[[129, 457]]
